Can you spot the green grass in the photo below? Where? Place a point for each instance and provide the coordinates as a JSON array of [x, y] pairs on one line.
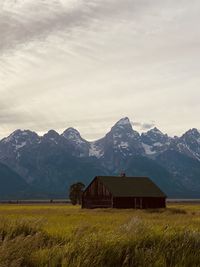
[[63, 235]]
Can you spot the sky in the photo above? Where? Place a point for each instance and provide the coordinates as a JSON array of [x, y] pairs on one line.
[[88, 63]]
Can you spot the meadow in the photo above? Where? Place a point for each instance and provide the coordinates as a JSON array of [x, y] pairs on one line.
[[59, 235]]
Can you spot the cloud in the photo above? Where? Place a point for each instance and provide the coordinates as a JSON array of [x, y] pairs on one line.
[[23, 22], [87, 63], [143, 125]]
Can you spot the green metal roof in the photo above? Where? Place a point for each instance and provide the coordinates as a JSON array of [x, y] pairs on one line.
[[131, 186]]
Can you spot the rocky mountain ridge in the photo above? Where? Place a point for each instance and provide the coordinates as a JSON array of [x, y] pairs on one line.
[[122, 138], [46, 162]]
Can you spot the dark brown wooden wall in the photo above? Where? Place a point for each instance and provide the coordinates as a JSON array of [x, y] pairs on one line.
[[97, 188], [138, 202], [96, 196]]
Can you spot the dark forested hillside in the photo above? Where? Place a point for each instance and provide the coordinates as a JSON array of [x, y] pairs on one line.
[[12, 186]]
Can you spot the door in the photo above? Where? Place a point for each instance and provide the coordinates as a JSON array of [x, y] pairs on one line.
[[138, 202]]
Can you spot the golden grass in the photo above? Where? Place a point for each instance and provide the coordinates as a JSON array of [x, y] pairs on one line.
[[65, 235]]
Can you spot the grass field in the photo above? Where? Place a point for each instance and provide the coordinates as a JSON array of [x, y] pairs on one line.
[[63, 235]]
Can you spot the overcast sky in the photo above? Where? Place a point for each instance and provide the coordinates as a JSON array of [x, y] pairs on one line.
[[87, 63]]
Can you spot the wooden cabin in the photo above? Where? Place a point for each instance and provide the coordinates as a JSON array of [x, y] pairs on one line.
[[123, 192]]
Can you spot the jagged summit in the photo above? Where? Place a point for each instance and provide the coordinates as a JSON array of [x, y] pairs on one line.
[[154, 141], [19, 133], [121, 138], [191, 136], [193, 132], [71, 133], [80, 147], [51, 133], [52, 138], [123, 128], [123, 122], [54, 161], [123, 125], [189, 143], [155, 130], [19, 136], [17, 141]]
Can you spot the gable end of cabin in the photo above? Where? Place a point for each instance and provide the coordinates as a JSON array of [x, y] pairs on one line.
[[97, 195]]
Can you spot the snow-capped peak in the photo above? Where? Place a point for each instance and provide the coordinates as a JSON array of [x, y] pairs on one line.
[[193, 132], [191, 136], [154, 141], [73, 135], [123, 130], [19, 135], [123, 122], [156, 131], [19, 139], [52, 136], [155, 134]]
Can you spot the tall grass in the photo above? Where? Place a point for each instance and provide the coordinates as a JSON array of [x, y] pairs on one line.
[[169, 238]]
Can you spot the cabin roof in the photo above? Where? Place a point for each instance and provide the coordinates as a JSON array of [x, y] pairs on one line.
[[131, 186]]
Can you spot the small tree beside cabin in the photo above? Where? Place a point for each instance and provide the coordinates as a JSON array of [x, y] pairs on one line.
[[75, 193]]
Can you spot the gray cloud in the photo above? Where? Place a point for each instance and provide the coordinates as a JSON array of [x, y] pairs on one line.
[[19, 27], [144, 125], [88, 63], [24, 22]]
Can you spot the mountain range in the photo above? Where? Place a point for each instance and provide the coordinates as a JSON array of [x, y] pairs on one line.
[[33, 166]]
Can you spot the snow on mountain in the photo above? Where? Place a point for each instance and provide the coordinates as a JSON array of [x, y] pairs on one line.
[[122, 140], [188, 144], [52, 137], [17, 140], [19, 135], [14, 146], [95, 150], [148, 149], [123, 122], [20, 146], [73, 136], [80, 147], [154, 141], [53, 157], [155, 137]]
